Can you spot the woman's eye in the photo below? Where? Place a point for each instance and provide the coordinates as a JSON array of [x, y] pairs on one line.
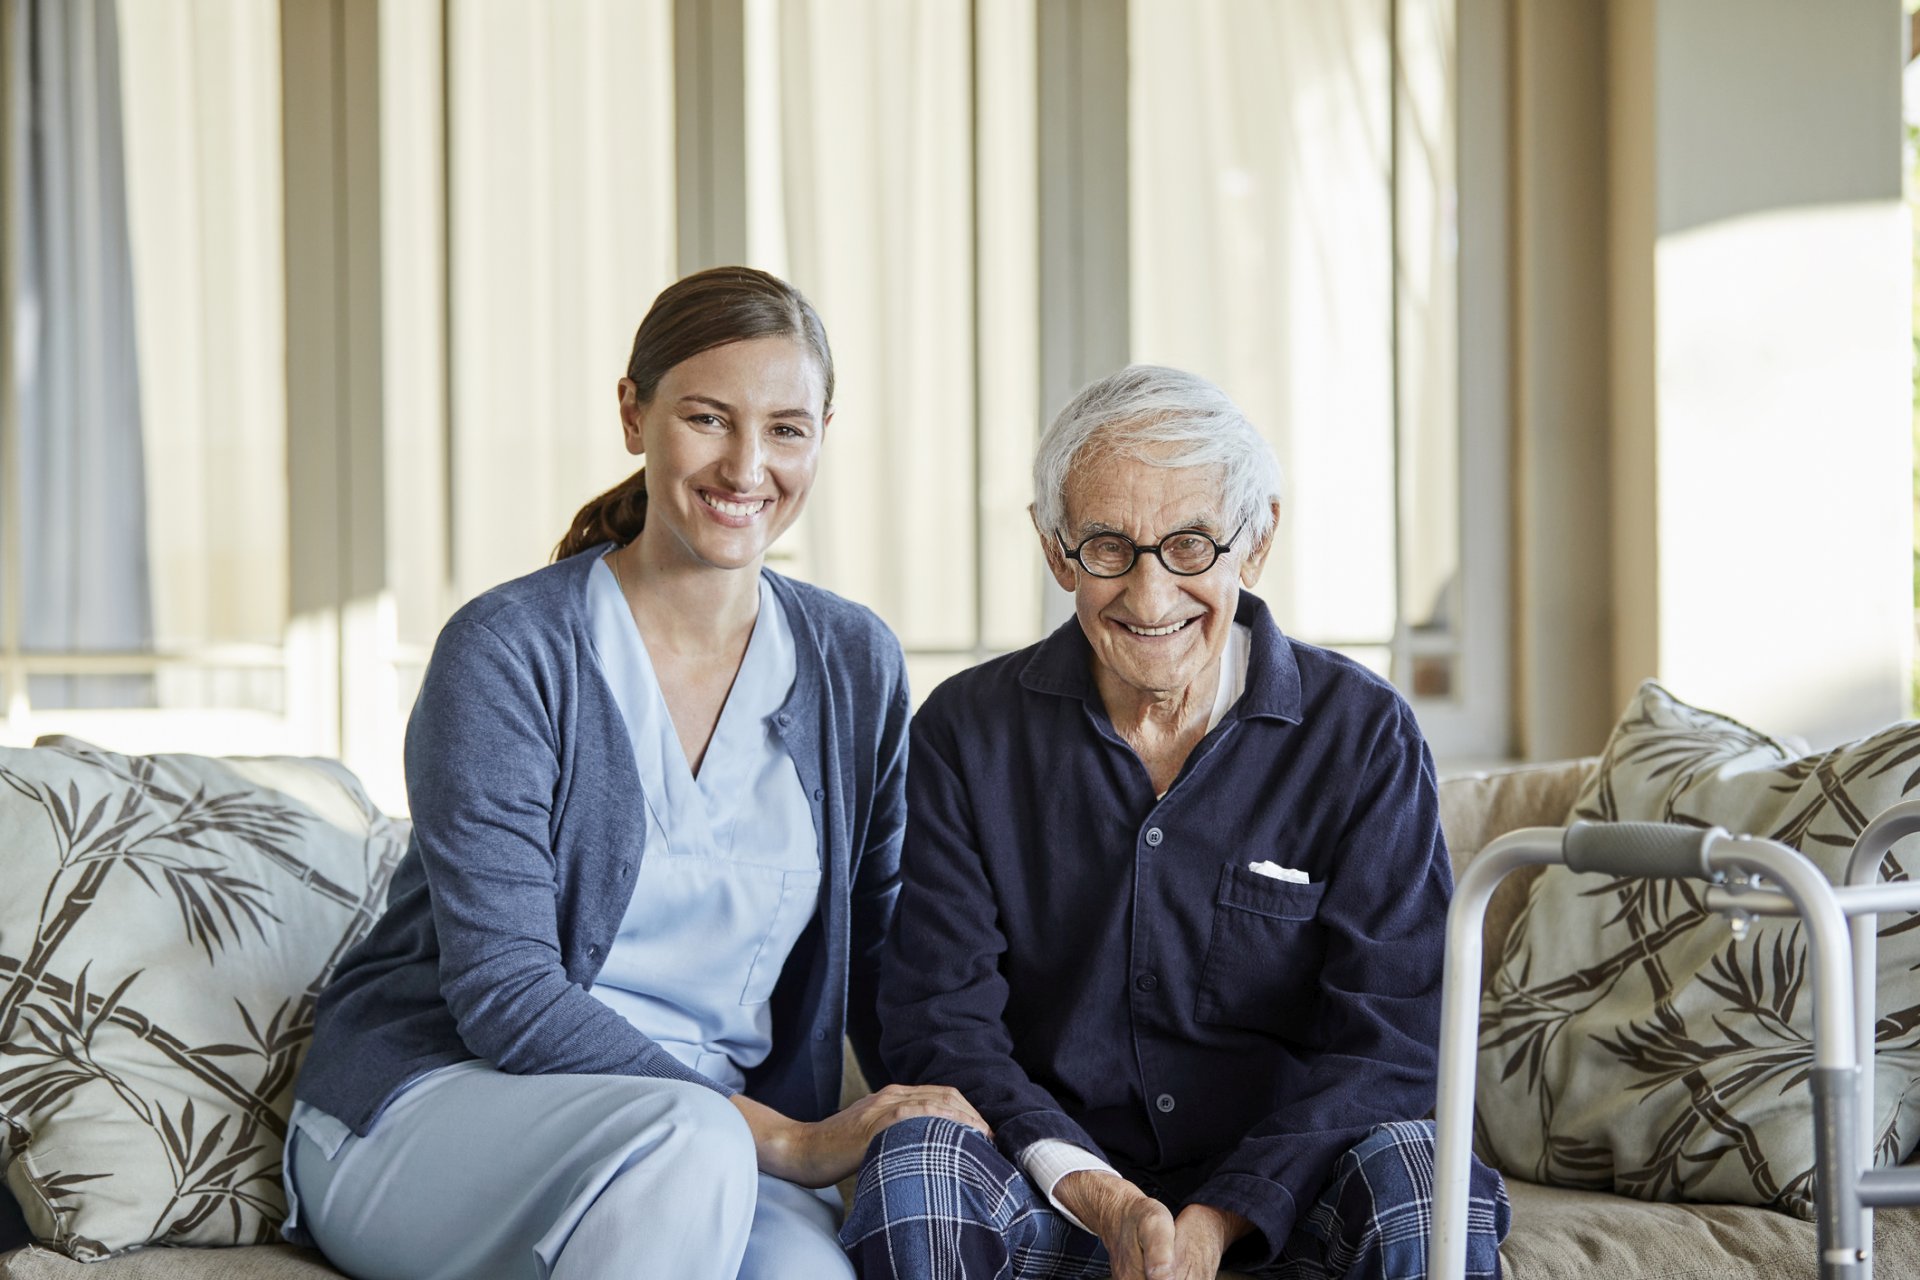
[[703, 420]]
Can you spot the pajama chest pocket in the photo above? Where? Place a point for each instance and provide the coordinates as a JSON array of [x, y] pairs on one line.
[[1262, 969]]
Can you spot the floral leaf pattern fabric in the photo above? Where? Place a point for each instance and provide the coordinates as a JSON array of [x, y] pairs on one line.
[[167, 926], [1629, 1042]]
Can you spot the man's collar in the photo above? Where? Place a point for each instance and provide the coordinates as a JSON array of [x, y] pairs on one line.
[[1062, 664]]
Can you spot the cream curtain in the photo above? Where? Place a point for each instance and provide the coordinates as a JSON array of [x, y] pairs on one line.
[[1262, 204], [1426, 181], [868, 208], [201, 82], [79, 488], [562, 169]]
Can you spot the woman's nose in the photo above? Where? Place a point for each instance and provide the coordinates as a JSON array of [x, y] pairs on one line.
[[745, 464]]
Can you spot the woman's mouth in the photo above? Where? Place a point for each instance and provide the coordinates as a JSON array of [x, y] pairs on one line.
[[732, 509]]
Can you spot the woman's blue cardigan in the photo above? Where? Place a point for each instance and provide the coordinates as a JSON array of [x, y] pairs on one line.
[[528, 831]]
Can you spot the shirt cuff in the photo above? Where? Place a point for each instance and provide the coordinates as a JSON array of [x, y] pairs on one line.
[[1050, 1159]]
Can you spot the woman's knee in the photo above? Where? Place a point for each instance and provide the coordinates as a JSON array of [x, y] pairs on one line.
[[710, 1134]]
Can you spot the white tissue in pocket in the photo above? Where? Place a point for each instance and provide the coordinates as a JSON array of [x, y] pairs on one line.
[[1293, 875]]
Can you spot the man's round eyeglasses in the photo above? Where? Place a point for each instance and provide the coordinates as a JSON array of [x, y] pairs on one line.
[[1112, 555]]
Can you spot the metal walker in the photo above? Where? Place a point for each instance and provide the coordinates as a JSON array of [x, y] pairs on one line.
[[1747, 877]]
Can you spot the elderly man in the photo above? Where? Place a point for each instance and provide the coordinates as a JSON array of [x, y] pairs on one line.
[[1173, 907]]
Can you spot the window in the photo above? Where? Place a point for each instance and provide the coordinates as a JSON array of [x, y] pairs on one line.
[[384, 267], [1294, 190]]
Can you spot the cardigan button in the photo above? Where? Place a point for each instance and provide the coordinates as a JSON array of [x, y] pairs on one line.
[[783, 719], [1154, 837], [818, 795], [819, 1033], [593, 953], [1164, 1102]]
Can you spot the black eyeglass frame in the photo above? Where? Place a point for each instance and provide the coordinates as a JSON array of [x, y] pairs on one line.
[[1219, 549]]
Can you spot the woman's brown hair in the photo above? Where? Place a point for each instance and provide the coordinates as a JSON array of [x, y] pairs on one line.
[[708, 309]]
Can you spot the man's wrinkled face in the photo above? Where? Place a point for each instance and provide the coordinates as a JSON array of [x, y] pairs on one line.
[[1155, 631]]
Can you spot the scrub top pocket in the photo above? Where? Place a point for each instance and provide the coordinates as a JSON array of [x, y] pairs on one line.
[[797, 893]]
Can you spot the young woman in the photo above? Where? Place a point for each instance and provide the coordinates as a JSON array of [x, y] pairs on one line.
[[657, 796]]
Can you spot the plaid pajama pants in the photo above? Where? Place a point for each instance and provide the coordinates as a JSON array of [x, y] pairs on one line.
[[938, 1201]]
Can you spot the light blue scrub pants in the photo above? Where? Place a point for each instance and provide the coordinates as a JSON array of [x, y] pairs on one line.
[[474, 1174]]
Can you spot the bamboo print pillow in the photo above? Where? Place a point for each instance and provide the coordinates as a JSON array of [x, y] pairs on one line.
[[166, 925], [1629, 1042]]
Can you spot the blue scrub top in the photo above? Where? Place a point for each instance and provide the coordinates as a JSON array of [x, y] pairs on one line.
[[731, 872], [731, 869]]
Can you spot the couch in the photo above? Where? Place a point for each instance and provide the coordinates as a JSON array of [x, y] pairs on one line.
[[1557, 1233]]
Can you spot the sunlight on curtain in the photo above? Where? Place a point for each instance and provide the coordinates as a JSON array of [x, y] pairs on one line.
[[1007, 118], [201, 99], [562, 230], [1262, 258], [413, 367], [1426, 184], [865, 201]]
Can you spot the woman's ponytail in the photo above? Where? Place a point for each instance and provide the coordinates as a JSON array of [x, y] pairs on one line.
[[615, 516]]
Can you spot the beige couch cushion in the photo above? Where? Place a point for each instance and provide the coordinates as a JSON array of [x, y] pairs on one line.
[[1477, 808], [258, 1262], [1560, 1234]]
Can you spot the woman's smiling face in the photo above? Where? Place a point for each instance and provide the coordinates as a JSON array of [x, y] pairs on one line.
[[731, 440]]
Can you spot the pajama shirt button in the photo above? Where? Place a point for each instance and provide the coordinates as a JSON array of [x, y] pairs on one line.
[[1164, 1102], [1146, 982], [1153, 836]]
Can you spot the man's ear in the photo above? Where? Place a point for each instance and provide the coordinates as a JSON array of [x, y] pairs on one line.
[[1061, 567], [1256, 558], [630, 414]]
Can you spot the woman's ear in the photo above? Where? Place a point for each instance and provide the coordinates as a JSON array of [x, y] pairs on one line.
[[1061, 567], [631, 413], [1257, 554]]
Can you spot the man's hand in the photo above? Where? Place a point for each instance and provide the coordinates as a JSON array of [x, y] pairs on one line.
[[1201, 1235], [1137, 1229]]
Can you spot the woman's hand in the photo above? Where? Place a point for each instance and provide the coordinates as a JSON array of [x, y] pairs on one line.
[[822, 1153]]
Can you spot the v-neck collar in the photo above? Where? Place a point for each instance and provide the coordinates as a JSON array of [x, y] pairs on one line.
[[668, 783]]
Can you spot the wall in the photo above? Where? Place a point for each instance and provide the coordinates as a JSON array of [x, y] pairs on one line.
[[1711, 365], [1761, 348]]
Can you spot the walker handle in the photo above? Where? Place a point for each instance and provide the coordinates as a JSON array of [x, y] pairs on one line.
[[1657, 849]]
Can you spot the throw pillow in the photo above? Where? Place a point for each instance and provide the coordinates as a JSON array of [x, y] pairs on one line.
[[167, 924], [1630, 1042]]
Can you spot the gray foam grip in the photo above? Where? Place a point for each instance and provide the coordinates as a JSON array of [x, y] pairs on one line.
[[1657, 849]]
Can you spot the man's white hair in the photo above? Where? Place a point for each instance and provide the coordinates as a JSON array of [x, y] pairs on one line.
[[1165, 418]]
